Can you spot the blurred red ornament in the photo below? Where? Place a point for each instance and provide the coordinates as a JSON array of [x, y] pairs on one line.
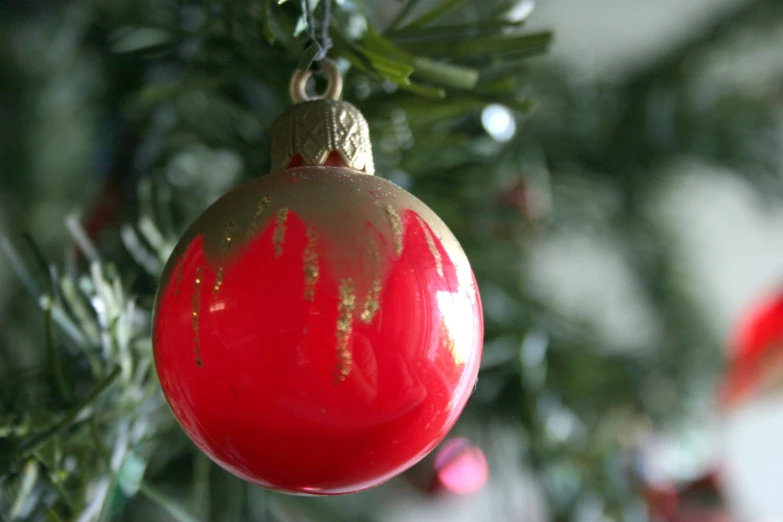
[[456, 467], [756, 358], [523, 196], [696, 501], [661, 502], [318, 330], [752, 423], [460, 467]]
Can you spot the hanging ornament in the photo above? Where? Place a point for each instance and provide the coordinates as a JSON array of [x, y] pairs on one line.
[[697, 501], [460, 467], [318, 330], [661, 502], [752, 402], [524, 196], [456, 467]]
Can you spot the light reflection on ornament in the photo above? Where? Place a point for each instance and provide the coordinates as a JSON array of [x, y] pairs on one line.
[[458, 318], [461, 467]]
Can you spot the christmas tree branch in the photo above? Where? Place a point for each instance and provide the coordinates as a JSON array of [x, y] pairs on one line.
[[673, 64], [207, 88], [34, 442]]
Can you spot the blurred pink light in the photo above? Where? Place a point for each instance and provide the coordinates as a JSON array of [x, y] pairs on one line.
[[461, 467]]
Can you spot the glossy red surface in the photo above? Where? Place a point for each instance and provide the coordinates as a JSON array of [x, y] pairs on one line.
[[756, 358], [307, 395]]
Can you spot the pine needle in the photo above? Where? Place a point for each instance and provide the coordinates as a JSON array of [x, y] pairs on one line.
[[19, 267], [168, 505], [36, 441]]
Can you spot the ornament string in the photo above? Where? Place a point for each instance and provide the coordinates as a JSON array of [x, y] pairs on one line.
[[318, 46], [326, 40]]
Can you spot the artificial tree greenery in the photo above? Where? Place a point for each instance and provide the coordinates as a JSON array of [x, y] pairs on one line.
[[142, 112]]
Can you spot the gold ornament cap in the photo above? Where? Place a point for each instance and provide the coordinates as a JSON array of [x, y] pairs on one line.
[[314, 127]]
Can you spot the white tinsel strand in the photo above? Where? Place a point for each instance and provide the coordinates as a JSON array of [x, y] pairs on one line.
[[103, 305], [142, 372], [153, 235], [19, 267], [97, 492], [139, 252], [84, 318], [60, 317], [23, 501], [123, 332], [81, 238]]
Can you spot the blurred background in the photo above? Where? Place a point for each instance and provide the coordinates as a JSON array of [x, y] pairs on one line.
[[616, 184]]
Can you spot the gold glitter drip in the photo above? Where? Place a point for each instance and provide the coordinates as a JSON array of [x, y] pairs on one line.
[[261, 207], [396, 225], [432, 247], [178, 277], [196, 308], [371, 304], [228, 236], [225, 246], [344, 329], [279, 236], [310, 265], [218, 280]]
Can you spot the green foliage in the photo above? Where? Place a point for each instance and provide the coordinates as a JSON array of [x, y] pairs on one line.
[[195, 87]]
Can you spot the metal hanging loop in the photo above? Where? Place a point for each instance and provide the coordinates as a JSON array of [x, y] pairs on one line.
[[334, 88]]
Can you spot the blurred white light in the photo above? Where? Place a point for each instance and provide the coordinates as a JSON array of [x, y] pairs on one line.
[[521, 11], [560, 425], [753, 459], [680, 456], [498, 122], [534, 348]]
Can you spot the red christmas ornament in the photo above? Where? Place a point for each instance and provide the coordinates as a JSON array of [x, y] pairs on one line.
[[523, 197], [752, 421], [756, 359], [696, 501], [318, 330]]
